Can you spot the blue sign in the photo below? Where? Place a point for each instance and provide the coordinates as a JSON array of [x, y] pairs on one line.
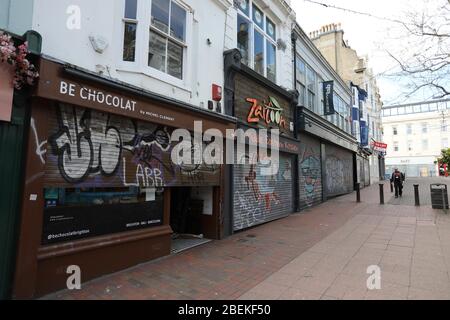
[[364, 133], [355, 114]]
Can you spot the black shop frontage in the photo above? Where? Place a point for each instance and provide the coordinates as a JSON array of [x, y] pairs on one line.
[[101, 189], [262, 190]]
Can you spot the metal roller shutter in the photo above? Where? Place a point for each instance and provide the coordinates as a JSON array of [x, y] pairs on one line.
[[338, 171], [260, 197], [310, 173], [87, 148]]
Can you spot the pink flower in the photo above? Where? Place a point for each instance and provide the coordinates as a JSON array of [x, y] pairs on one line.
[[25, 71]]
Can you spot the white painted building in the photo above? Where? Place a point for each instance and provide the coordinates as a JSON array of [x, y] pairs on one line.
[[355, 70], [416, 134], [129, 40]]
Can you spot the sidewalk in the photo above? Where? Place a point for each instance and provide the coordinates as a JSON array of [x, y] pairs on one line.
[[320, 254]]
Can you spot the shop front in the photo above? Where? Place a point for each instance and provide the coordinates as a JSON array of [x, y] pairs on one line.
[[262, 188], [102, 192], [310, 172], [338, 171], [327, 160], [265, 191], [363, 168]]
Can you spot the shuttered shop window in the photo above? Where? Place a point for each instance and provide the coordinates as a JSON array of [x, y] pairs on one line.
[[310, 173], [260, 196]]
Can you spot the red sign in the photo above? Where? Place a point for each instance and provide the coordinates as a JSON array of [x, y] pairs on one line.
[[379, 146], [6, 91], [216, 92]]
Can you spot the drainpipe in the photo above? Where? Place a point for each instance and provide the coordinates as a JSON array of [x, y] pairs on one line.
[[294, 38]]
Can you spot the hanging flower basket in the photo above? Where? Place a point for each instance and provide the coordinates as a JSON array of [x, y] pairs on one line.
[[25, 71]]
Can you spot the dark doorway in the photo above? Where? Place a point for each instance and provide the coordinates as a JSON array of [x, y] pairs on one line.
[[186, 217]]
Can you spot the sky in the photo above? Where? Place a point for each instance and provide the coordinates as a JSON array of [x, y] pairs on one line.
[[368, 36]]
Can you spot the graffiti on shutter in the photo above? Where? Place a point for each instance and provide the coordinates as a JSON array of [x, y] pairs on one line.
[[338, 171], [87, 148], [260, 194], [310, 171]]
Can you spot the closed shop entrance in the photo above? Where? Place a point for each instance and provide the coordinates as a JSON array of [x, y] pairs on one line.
[[103, 190], [310, 172], [338, 171], [261, 194]]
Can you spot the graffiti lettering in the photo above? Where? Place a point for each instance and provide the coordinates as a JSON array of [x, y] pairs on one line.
[[310, 176], [40, 146], [145, 177], [85, 145]]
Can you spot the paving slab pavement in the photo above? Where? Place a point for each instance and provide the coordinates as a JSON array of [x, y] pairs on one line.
[[322, 253]]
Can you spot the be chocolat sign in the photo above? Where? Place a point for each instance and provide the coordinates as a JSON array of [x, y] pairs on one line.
[[58, 85], [100, 97]]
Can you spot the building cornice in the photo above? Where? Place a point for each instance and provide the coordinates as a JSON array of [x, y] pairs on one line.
[[314, 124], [224, 4]]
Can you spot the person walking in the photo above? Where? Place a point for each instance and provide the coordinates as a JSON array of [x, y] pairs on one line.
[[397, 179]]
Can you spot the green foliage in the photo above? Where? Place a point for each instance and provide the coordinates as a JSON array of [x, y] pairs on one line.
[[445, 157]]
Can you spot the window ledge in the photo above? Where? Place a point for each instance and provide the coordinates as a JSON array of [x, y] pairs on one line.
[[156, 75]]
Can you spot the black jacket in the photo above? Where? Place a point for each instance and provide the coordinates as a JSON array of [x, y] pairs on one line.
[[399, 181]]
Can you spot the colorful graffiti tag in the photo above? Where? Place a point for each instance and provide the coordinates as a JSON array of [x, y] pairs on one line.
[[260, 194], [90, 148], [310, 176]]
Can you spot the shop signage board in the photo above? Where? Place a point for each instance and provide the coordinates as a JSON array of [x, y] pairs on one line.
[[379, 146], [261, 108], [56, 84]]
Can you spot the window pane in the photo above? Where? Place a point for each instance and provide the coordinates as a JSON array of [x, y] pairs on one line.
[[311, 78], [270, 29], [259, 53], [243, 39], [258, 17], [244, 6], [130, 9], [129, 42], [301, 70], [157, 52], [425, 107], [311, 100], [271, 62], [160, 14], [301, 91], [175, 60], [178, 22], [424, 127]]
